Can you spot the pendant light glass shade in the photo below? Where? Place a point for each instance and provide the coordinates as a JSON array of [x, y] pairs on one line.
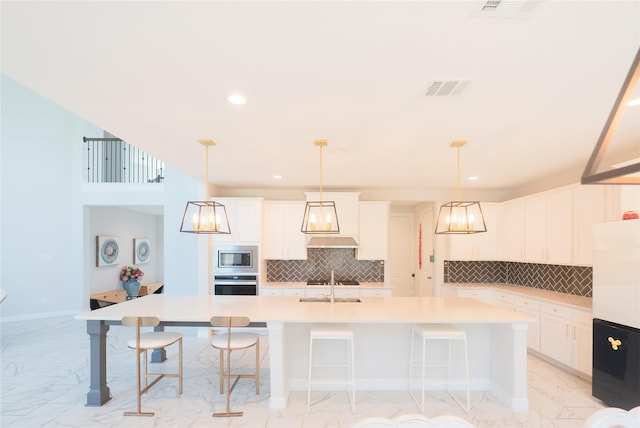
[[320, 217], [460, 217], [206, 217]]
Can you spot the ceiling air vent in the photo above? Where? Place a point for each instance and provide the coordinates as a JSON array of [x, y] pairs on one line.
[[446, 87], [506, 8]]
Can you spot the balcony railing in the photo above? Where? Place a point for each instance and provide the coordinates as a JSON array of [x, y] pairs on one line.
[[112, 160]]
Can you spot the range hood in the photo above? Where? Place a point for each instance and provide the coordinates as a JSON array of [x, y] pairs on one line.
[[332, 242]]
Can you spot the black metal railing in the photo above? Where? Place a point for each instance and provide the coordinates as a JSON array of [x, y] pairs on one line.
[[112, 160]]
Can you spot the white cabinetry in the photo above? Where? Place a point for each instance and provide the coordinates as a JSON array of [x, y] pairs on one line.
[[325, 291], [245, 220], [375, 292], [555, 332], [582, 337], [530, 307], [282, 238], [373, 242], [511, 231], [549, 227], [588, 208], [478, 246], [482, 294], [503, 299]]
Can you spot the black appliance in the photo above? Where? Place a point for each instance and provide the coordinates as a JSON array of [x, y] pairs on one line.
[[616, 364], [238, 285]]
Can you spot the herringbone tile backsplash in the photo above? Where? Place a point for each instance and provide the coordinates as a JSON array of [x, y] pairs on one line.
[[319, 264], [576, 280]]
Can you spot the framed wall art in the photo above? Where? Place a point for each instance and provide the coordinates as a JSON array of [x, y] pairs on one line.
[[107, 250], [141, 250]]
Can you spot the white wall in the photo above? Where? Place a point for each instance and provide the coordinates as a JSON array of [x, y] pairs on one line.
[[45, 232], [41, 243]]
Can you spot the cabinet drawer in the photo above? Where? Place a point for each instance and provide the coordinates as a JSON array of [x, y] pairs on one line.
[[582, 317], [482, 294], [373, 292], [268, 291], [557, 310], [346, 292], [293, 292], [524, 303], [317, 292], [505, 298]]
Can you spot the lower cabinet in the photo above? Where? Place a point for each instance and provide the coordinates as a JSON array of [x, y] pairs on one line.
[[555, 336], [562, 333], [530, 307]]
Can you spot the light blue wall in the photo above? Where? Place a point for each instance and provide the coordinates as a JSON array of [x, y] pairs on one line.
[[45, 260]]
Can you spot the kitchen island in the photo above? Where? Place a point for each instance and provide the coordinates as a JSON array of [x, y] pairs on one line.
[[382, 330]]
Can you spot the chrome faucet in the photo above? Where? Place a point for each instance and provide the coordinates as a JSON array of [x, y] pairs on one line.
[[333, 294]]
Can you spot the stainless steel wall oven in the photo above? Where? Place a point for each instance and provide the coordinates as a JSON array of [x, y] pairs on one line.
[[235, 270]]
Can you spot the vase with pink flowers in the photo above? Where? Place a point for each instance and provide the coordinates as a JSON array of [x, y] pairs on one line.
[[130, 277]]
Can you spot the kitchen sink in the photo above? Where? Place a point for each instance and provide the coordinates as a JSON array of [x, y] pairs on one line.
[[327, 299]]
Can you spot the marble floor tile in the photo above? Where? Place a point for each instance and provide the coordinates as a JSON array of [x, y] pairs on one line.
[[45, 370]]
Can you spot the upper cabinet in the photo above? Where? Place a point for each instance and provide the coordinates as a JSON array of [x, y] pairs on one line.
[[478, 246], [549, 227], [511, 231], [373, 243], [347, 208], [588, 208], [282, 238], [245, 220]]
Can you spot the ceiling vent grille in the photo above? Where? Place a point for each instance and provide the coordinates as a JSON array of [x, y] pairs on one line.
[[446, 87], [506, 8]]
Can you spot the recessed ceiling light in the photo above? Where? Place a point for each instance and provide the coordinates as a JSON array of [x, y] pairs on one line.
[[237, 99], [277, 177], [473, 178], [633, 103]]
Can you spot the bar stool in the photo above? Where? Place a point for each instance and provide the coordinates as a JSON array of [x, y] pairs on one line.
[[440, 332], [150, 341], [332, 332]]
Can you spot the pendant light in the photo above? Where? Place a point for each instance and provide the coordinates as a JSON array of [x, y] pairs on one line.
[[205, 217], [460, 217], [320, 217]]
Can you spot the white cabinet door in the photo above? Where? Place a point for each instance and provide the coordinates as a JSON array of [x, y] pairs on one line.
[[293, 291], [270, 291], [582, 336], [245, 220], [559, 231], [555, 336], [530, 307], [588, 208], [482, 294], [373, 241], [535, 229], [511, 232], [282, 239]]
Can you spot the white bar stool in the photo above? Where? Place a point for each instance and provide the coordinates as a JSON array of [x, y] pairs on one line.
[[332, 332], [441, 332]]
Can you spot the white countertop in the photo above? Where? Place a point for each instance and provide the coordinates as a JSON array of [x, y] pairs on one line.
[[579, 302], [196, 308]]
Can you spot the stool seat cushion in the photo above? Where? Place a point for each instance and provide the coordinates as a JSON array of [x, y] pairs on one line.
[[439, 331], [155, 340], [238, 340]]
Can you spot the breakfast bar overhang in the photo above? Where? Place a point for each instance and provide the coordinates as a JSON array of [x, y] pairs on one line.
[[382, 330]]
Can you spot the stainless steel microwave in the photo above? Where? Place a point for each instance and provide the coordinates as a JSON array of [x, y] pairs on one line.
[[236, 259]]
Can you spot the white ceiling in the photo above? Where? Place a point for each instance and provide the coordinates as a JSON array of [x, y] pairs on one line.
[[157, 74]]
